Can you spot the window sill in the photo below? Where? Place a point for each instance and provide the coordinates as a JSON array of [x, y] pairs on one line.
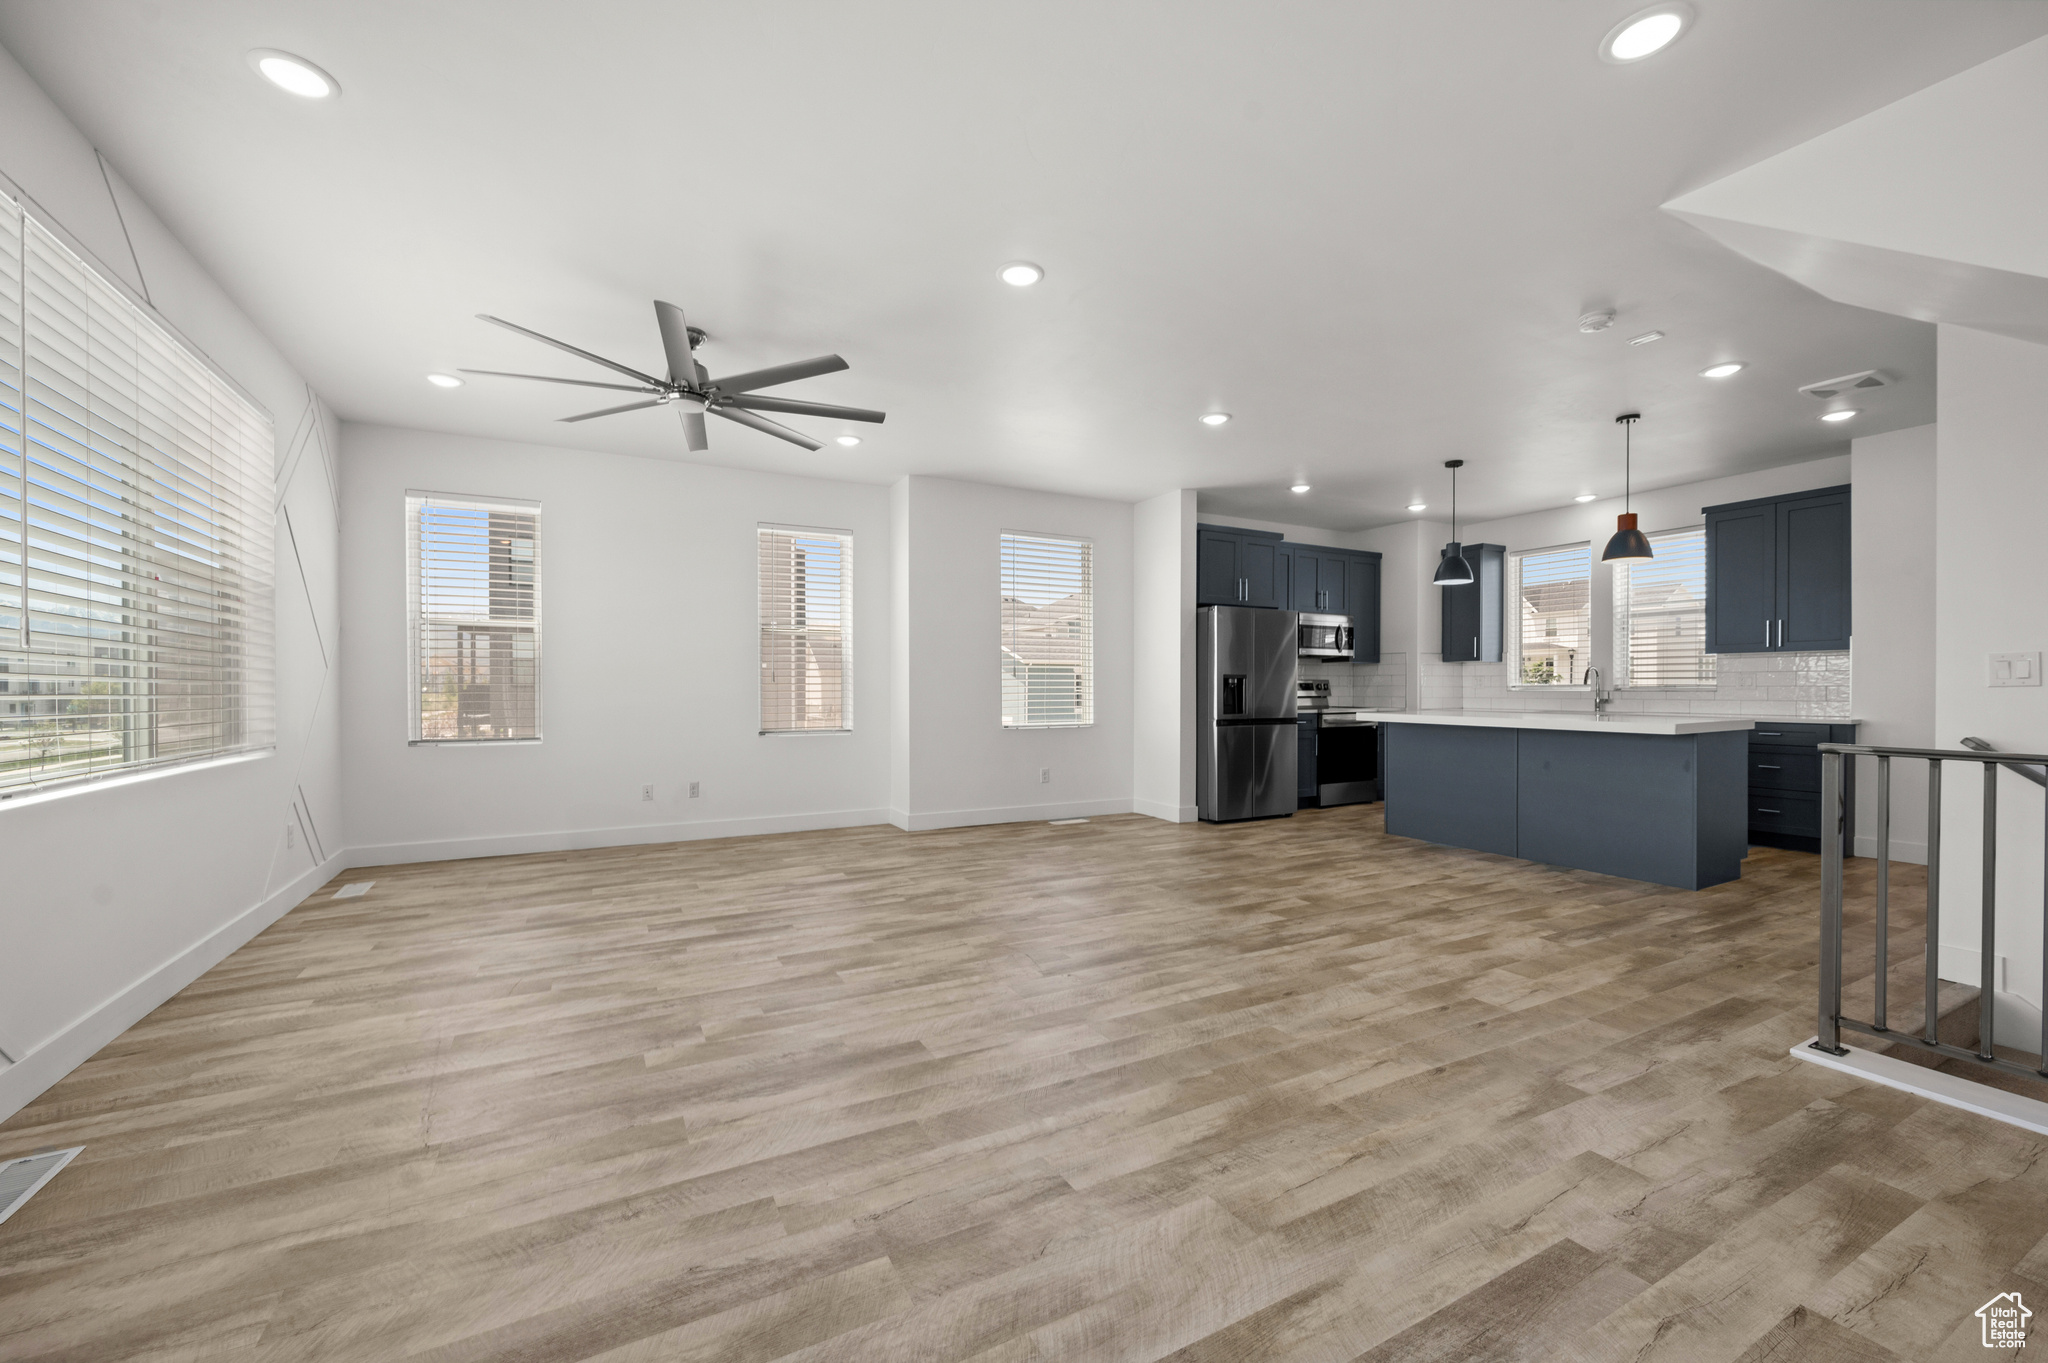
[[472, 743], [803, 733], [1533, 689], [1042, 728], [83, 785]]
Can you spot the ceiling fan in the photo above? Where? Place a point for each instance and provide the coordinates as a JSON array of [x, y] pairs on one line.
[[691, 391]]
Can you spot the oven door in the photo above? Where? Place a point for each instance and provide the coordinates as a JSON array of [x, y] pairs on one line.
[[1347, 761]]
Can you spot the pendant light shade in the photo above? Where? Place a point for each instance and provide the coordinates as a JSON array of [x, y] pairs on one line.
[[1629, 545], [1453, 571]]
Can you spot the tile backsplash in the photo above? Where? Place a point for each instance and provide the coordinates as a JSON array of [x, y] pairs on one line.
[[1375, 686], [1774, 685]]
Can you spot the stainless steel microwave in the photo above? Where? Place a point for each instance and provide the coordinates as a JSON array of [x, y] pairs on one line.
[[1325, 636]]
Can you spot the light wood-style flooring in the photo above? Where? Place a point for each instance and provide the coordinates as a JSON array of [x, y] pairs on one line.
[[1120, 1091]]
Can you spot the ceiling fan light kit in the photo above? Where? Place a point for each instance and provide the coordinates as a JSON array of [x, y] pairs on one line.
[[691, 391], [1628, 544]]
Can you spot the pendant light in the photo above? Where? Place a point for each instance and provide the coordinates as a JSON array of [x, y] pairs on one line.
[[1628, 544], [1454, 571]]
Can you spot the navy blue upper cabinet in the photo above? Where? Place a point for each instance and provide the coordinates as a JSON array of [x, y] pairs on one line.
[[1362, 596], [1472, 612], [1240, 567], [1778, 573]]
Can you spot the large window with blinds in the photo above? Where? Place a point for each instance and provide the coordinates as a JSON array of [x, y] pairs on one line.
[[1550, 615], [473, 618], [806, 630], [1660, 613], [136, 491], [1048, 595]]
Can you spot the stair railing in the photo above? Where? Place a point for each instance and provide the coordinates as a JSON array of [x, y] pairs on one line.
[[1834, 773]]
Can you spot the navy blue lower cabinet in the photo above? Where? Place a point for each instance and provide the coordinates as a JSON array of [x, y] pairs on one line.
[[1668, 809], [1671, 810], [1451, 784], [1305, 763]]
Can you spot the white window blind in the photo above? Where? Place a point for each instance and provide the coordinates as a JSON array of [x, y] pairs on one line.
[[1550, 606], [136, 491], [806, 630], [1048, 631], [1660, 613], [475, 618]]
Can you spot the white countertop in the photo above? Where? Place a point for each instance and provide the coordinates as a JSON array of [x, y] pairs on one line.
[[1584, 721]]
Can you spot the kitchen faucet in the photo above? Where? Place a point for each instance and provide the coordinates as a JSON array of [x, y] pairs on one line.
[[1600, 696]]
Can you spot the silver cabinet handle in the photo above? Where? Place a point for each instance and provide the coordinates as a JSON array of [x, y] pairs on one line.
[[1761, 810], [1475, 648], [1781, 633], [1765, 766]]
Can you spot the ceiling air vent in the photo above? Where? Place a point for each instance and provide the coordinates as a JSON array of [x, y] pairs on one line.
[[1848, 383]]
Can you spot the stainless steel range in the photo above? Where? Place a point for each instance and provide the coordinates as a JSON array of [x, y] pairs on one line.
[[1338, 749]]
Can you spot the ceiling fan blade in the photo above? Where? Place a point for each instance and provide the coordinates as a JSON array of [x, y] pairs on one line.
[[761, 423], [564, 345], [781, 373], [612, 411], [760, 404], [693, 431], [675, 343], [549, 378]]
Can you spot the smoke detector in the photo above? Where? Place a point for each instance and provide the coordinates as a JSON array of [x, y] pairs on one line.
[[1828, 389], [1597, 321]]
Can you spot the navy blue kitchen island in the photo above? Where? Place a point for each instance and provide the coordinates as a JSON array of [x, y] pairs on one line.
[[1662, 798]]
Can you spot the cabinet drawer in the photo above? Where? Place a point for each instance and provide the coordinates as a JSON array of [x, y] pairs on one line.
[[1770, 734], [1776, 812], [1769, 770]]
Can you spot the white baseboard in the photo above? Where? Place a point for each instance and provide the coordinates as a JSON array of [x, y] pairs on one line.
[[1938, 1085], [72, 1045], [1902, 850], [630, 835], [1170, 813], [967, 818]]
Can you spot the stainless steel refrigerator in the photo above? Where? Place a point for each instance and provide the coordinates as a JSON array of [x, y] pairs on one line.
[[1245, 664]]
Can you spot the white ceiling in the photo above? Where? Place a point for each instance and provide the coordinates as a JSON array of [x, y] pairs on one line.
[[1366, 229]]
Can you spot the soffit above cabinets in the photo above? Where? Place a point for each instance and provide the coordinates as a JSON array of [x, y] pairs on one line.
[[1367, 231]]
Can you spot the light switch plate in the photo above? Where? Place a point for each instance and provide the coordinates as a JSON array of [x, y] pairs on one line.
[[2015, 669]]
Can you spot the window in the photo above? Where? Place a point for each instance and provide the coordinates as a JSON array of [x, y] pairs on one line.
[[1048, 632], [474, 618], [136, 490], [1550, 596], [1660, 613], [806, 630]]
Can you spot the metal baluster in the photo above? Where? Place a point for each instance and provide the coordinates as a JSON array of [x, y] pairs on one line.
[[1987, 940], [1829, 1036], [1934, 900], [1884, 880]]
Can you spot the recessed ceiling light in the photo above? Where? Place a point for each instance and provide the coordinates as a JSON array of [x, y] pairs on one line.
[[1722, 370], [1838, 416], [1021, 274], [1646, 338], [849, 440], [1214, 418], [294, 75], [1418, 506], [1645, 32], [1299, 487], [444, 381], [1586, 497]]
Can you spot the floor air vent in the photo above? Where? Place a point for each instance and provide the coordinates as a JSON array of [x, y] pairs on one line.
[[20, 1179]]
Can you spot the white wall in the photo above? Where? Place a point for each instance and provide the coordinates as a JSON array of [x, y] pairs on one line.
[[1892, 526], [961, 765], [1163, 656], [650, 656], [1991, 561], [121, 894]]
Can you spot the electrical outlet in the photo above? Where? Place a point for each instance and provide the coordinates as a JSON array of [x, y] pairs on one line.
[[647, 792], [2015, 669], [1045, 776], [695, 791]]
